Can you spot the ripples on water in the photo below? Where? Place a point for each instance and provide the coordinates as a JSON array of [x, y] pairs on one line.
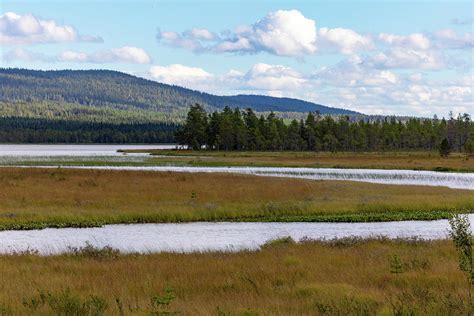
[[11, 154], [217, 236], [205, 236]]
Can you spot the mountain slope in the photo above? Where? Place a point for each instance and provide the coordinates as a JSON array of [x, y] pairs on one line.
[[120, 91]]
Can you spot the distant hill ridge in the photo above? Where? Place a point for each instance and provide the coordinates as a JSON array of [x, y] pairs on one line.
[[121, 91]]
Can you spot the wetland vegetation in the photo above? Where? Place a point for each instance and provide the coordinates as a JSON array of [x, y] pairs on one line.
[[38, 198], [349, 276]]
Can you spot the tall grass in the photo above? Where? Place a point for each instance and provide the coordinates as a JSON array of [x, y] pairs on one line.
[[38, 198], [337, 277]]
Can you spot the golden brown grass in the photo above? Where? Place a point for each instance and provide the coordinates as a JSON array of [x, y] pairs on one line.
[[388, 160], [60, 197], [303, 279]]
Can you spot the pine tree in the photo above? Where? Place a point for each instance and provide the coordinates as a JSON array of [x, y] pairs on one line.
[[194, 133], [444, 148]]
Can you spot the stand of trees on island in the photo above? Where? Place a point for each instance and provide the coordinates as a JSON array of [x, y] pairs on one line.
[[244, 130]]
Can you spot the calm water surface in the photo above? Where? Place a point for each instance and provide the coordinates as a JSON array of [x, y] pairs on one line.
[[27, 150], [205, 236]]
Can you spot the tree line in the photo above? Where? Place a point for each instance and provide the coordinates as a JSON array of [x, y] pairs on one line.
[[233, 129], [28, 130]]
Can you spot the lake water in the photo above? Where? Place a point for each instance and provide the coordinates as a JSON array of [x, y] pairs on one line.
[[72, 150], [205, 236], [9, 154]]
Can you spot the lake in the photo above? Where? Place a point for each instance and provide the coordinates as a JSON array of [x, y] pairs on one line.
[[206, 236], [52, 150], [222, 236], [9, 154]]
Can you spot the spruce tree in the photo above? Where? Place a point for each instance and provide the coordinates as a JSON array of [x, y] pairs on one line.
[[444, 148]]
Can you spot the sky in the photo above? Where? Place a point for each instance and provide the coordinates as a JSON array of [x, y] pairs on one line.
[[375, 57]]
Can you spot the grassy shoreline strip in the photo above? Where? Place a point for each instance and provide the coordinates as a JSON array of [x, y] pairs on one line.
[[321, 218], [201, 163], [416, 160], [60, 197]]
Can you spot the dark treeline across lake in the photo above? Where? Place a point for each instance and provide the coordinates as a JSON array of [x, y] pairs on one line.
[[28, 130], [233, 129]]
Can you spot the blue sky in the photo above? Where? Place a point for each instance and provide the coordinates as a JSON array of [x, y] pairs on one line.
[[378, 57]]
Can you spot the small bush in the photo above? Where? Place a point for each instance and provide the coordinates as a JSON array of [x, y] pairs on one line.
[[396, 264], [91, 251], [347, 306], [66, 303], [461, 234], [160, 303], [279, 242]]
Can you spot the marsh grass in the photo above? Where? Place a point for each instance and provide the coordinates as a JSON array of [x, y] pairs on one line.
[[39, 198], [335, 277]]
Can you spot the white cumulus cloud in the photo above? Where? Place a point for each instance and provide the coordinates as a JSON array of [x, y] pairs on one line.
[[343, 40], [272, 78], [29, 29], [412, 41], [181, 75], [405, 58], [283, 33], [126, 54], [449, 39], [352, 84], [25, 55], [201, 34]]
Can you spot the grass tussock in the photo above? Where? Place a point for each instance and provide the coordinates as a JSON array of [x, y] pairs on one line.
[[337, 277], [38, 198]]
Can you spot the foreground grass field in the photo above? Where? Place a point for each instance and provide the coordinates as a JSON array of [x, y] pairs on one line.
[[312, 278], [36, 198], [390, 160]]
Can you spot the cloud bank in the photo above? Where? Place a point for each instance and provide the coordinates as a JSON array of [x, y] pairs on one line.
[[350, 84]]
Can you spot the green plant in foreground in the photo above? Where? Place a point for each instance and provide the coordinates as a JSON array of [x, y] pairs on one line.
[[91, 251], [461, 234], [396, 265], [279, 242], [66, 303], [160, 303]]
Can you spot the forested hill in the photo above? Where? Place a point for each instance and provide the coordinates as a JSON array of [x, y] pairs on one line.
[[120, 91]]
